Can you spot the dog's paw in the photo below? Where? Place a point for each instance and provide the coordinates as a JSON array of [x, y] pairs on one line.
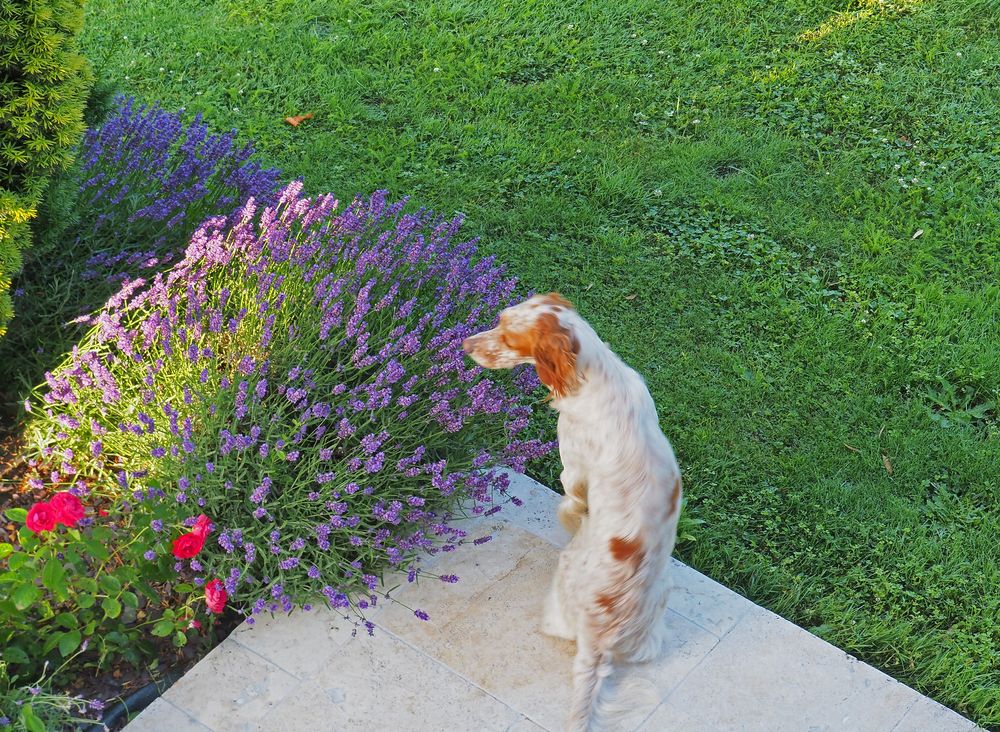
[[571, 514]]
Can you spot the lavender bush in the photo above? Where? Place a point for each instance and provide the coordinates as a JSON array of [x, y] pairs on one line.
[[147, 179], [143, 182], [298, 379]]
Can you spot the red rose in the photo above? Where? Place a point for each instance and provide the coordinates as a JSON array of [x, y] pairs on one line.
[[202, 526], [215, 596], [41, 517], [188, 545], [67, 507]]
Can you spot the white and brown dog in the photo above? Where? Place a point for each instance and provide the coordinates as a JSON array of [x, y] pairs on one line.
[[622, 492]]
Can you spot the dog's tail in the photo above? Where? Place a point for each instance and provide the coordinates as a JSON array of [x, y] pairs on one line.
[[591, 668]]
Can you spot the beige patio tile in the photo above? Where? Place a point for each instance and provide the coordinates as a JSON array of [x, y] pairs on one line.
[[675, 719], [231, 688], [704, 601], [926, 715], [161, 715], [382, 683], [298, 643], [767, 675]]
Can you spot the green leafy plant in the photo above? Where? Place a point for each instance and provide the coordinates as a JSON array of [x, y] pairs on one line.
[[956, 406]]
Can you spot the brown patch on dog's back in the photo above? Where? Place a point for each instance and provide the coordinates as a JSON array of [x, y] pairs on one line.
[[607, 602], [626, 550]]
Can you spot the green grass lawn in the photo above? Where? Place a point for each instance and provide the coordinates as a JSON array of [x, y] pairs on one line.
[[784, 214]]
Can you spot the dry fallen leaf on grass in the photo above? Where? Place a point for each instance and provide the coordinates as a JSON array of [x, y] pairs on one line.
[[298, 119], [888, 465], [917, 234], [630, 297]]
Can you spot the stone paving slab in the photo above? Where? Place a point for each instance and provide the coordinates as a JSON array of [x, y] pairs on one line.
[[162, 715], [480, 662]]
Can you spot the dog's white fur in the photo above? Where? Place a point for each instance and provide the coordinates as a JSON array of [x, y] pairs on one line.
[[622, 493]]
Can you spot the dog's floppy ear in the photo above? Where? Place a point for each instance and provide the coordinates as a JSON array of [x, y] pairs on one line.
[[554, 350]]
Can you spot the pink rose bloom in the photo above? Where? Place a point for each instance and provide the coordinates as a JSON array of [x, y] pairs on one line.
[[41, 517], [215, 596], [68, 508]]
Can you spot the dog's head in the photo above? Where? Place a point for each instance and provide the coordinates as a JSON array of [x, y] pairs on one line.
[[538, 331]]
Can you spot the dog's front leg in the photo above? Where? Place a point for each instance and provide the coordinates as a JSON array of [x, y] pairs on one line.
[[573, 506], [559, 616]]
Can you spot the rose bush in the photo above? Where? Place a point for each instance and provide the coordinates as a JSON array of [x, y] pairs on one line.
[[76, 575]]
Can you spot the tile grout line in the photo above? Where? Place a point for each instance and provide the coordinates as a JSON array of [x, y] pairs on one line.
[[903, 716], [709, 630], [186, 713], [271, 661], [675, 687]]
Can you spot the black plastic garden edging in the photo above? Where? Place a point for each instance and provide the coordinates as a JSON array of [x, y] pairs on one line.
[[133, 703]]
